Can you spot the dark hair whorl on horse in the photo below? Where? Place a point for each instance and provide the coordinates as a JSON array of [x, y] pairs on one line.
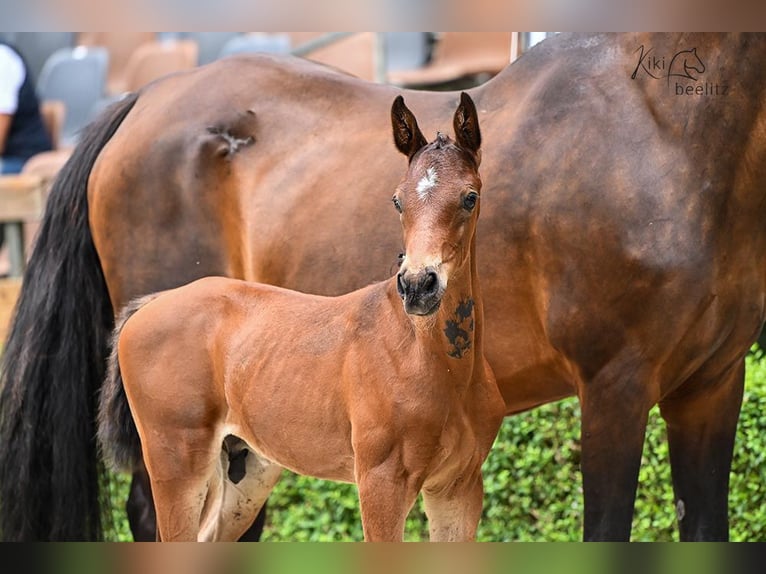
[[54, 364]]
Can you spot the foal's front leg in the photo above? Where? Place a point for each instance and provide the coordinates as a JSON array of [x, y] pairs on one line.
[[454, 512], [386, 495]]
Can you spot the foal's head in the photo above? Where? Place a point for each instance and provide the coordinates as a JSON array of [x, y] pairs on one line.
[[438, 200]]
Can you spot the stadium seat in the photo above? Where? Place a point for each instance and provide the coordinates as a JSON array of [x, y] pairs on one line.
[[76, 77]]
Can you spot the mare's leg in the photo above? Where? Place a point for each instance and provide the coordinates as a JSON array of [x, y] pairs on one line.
[[454, 512], [140, 508], [702, 421], [615, 406], [239, 502]]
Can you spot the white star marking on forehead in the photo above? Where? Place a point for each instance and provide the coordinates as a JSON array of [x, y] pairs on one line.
[[428, 181]]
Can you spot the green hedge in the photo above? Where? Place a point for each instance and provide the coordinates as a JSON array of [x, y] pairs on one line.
[[533, 484]]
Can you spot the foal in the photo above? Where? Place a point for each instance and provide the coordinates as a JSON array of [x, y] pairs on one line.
[[386, 386]]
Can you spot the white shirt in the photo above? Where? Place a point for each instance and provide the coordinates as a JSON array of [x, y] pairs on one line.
[[12, 74]]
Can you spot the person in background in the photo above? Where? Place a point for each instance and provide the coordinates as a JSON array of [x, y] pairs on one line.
[[22, 131]]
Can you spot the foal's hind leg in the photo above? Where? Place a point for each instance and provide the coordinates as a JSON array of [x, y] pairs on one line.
[[238, 503], [454, 512], [182, 466], [143, 521], [702, 424]]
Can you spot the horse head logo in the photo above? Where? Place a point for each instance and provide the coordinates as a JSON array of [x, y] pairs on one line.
[[684, 63]]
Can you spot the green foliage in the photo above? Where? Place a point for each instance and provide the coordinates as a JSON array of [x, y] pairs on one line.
[[533, 487], [747, 494], [116, 527]]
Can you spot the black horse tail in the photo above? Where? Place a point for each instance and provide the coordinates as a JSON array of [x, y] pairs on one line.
[[117, 434], [54, 363]]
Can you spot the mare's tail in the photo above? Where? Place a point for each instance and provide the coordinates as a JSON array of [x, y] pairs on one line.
[[54, 364], [117, 434]]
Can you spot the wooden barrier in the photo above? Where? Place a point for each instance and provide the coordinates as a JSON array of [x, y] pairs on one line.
[[21, 197], [21, 201], [9, 293]]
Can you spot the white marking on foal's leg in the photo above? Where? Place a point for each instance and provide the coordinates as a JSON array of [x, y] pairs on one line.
[[213, 508], [453, 514], [426, 183], [242, 501]]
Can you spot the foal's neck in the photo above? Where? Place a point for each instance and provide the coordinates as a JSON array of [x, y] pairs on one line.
[[456, 330]]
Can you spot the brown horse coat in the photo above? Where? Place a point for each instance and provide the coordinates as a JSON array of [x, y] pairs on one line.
[[386, 386], [621, 246]]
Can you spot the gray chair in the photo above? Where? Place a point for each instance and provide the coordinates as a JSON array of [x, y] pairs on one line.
[[210, 44], [256, 42], [77, 77], [37, 47], [407, 50]]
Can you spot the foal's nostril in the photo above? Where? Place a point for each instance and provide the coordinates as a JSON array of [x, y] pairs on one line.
[[400, 285], [430, 282]]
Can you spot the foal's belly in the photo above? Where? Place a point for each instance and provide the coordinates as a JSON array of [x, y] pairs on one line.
[[336, 467], [297, 421]]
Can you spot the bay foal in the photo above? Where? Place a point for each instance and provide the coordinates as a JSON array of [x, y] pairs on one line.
[[386, 386]]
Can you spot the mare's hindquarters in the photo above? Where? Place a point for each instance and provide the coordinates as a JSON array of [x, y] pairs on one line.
[[53, 366]]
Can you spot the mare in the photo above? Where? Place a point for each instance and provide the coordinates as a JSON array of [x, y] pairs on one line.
[[381, 387], [622, 253]]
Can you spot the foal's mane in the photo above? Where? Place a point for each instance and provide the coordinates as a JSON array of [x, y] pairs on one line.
[[444, 142]]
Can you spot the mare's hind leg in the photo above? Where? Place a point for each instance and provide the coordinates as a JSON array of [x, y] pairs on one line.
[[702, 424], [239, 502], [454, 513], [140, 508]]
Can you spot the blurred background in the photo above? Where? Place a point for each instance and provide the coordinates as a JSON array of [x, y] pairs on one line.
[[75, 75]]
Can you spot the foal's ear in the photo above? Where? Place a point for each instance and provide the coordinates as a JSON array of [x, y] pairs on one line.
[[407, 135], [466, 125]]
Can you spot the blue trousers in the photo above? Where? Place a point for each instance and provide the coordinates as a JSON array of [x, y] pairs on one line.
[[11, 164]]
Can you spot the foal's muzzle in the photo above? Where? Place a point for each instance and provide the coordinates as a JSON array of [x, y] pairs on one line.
[[421, 291]]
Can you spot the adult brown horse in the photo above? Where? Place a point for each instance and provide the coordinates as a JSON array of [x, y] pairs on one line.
[[621, 247], [386, 386]]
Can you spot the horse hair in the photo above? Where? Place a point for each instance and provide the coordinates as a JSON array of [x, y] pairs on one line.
[[117, 433], [54, 364]]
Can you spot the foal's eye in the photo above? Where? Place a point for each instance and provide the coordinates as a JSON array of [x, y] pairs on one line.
[[469, 201], [397, 205]]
